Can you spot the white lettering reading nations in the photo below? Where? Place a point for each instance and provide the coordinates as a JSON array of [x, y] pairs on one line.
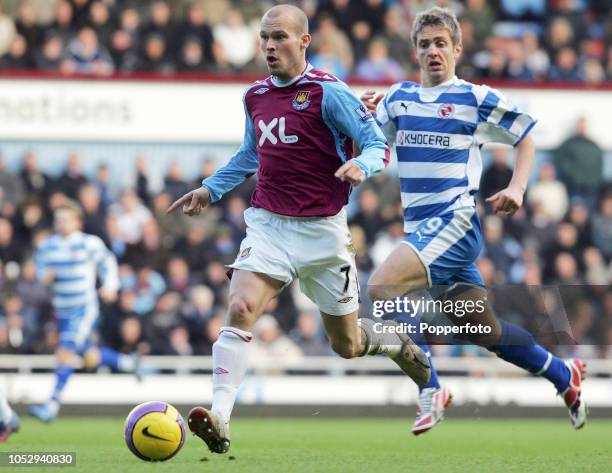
[[267, 132]]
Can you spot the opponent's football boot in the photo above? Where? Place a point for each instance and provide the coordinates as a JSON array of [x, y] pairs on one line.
[[572, 395], [431, 406]]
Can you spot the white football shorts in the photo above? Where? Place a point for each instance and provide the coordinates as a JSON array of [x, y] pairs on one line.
[[318, 251]]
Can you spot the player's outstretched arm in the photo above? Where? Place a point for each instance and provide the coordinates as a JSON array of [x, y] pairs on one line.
[[193, 202], [509, 200]]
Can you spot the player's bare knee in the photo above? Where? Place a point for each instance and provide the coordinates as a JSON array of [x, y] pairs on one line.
[[91, 358], [346, 348], [240, 314], [343, 351]]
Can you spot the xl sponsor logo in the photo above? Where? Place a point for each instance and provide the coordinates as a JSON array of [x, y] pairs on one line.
[[267, 132]]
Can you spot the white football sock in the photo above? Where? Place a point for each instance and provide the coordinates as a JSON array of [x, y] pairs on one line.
[[229, 367], [386, 343], [5, 410]]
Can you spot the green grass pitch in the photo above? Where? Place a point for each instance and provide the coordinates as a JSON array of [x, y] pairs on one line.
[[328, 445]]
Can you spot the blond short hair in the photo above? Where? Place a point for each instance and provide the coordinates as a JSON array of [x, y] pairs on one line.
[[71, 206], [439, 17]]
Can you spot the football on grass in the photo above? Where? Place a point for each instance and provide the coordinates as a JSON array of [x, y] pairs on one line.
[[154, 431]]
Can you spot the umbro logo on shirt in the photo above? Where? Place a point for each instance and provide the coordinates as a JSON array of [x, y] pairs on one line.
[[263, 90]]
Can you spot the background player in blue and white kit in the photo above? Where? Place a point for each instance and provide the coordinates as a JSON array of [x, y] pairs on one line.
[[438, 127], [71, 261]]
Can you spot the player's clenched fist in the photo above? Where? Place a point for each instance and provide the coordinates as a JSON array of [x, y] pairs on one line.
[[350, 172], [370, 99], [193, 202]]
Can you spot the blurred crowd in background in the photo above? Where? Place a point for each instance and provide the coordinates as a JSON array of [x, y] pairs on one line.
[[173, 295], [173, 280], [526, 40]]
